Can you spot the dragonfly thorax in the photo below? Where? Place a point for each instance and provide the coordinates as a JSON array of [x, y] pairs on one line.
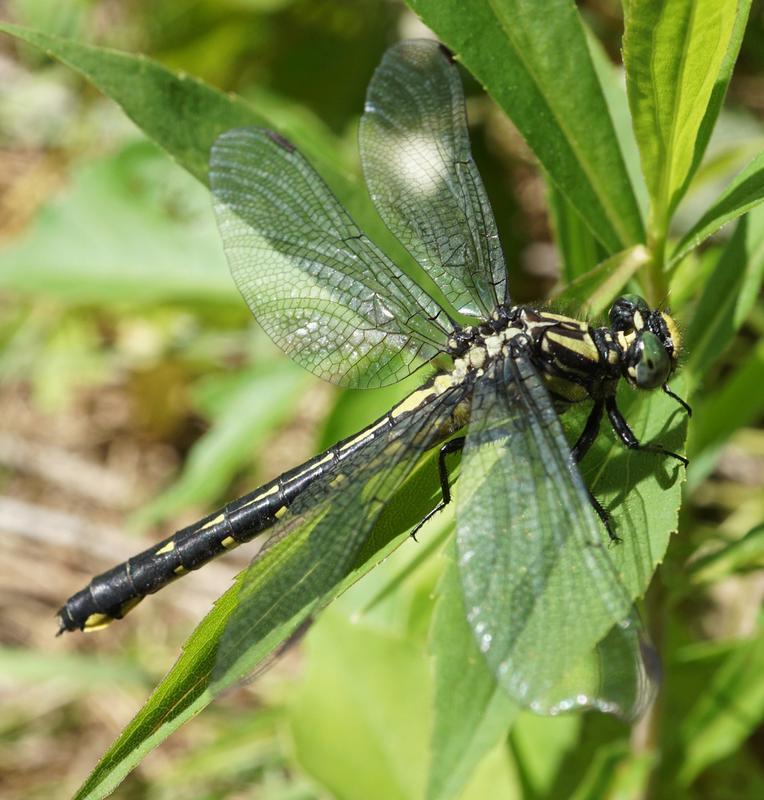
[[474, 348], [576, 360]]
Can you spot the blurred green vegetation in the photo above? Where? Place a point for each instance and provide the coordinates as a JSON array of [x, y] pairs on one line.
[[138, 394]]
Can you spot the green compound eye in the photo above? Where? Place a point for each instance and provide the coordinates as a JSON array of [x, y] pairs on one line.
[[652, 364]]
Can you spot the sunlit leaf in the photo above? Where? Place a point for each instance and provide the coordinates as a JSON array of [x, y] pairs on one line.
[[678, 57], [193, 682], [534, 61]]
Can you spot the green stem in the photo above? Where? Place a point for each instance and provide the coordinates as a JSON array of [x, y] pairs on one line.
[[657, 284]]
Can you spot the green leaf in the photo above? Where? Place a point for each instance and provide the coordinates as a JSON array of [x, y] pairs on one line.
[[192, 683], [359, 721], [534, 61], [69, 253], [596, 289], [261, 402], [182, 694], [740, 556], [642, 491], [678, 57], [737, 403], [728, 296], [578, 247], [611, 77], [180, 113], [729, 709], [471, 712], [744, 193]]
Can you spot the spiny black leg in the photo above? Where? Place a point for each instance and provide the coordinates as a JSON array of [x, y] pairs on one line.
[[589, 433], [451, 446], [581, 447], [626, 435], [605, 517]]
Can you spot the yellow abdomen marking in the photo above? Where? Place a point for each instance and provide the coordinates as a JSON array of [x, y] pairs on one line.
[[97, 622]]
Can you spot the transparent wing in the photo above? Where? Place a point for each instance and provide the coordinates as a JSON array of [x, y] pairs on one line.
[[540, 588], [418, 165], [318, 541], [317, 285]]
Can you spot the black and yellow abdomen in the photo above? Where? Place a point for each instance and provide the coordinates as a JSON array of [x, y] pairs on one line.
[[113, 594]]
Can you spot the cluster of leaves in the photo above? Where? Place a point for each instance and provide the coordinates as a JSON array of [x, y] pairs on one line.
[[617, 170]]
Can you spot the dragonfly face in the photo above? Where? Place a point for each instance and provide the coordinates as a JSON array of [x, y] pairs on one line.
[[539, 585], [652, 343]]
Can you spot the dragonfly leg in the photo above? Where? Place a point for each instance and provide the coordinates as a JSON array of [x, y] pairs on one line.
[[589, 433], [605, 517], [580, 449], [451, 446], [626, 435]]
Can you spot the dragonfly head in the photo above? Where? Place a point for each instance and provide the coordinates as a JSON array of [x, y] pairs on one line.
[[651, 343]]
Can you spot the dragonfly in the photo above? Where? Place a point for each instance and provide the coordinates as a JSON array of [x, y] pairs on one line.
[[531, 539]]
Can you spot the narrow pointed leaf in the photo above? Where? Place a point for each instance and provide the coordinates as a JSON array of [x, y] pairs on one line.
[[744, 193], [182, 114], [728, 296], [534, 61], [613, 82], [678, 58]]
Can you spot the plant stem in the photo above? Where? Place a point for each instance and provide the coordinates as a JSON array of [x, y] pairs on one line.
[[657, 286]]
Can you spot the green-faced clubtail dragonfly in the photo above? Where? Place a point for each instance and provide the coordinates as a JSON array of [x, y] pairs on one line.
[[338, 306]]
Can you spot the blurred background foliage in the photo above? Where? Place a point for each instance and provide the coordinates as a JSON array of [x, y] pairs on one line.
[[137, 394]]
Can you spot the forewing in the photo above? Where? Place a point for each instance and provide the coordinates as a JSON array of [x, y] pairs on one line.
[[418, 165], [540, 588], [317, 285], [319, 539]]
